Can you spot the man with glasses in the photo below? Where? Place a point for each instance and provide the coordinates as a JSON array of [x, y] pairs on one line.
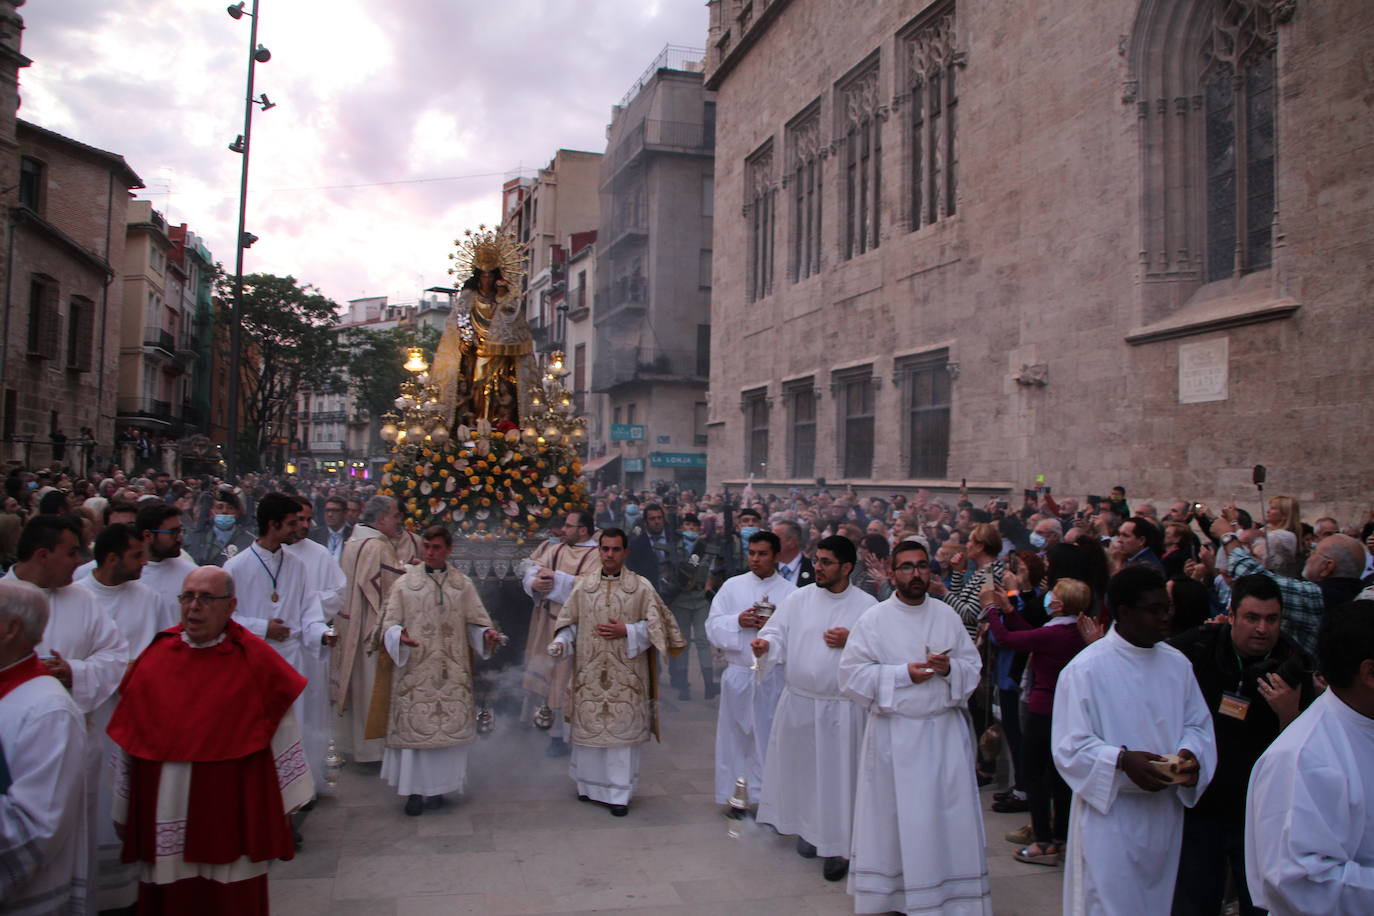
[[207, 707], [160, 527], [910, 661], [336, 530], [814, 741]]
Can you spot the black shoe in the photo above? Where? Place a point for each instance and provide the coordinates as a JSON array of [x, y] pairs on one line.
[[712, 690], [984, 780], [836, 867], [557, 748], [415, 805], [805, 849], [308, 806], [1011, 805], [619, 810], [434, 801], [584, 798], [1003, 796]]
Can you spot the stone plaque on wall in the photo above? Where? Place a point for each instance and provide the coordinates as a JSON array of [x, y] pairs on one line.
[[1202, 371]]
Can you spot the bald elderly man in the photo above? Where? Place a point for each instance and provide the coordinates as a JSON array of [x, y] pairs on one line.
[[1331, 577]]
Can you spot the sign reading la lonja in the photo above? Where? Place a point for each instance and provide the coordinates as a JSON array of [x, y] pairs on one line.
[[677, 460], [627, 432]]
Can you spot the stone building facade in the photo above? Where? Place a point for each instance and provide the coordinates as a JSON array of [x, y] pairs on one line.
[[651, 310], [1103, 241], [62, 313]]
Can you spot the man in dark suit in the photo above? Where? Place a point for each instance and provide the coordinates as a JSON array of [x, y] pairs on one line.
[[793, 565], [650, 551], [1138, 542], [336, 530]]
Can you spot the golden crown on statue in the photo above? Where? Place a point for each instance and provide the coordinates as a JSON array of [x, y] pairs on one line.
[[488, 249]]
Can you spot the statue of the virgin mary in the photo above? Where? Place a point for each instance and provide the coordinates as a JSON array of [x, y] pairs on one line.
[[484, 366]]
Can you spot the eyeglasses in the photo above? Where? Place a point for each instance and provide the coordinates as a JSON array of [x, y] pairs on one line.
[[909, 568], [190, 598], [174, 532]]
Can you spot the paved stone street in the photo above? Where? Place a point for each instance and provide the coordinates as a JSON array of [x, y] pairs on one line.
[[519, 842]]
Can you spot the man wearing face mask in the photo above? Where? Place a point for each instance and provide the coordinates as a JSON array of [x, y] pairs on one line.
[[697, 573], [1047, 533], [225, 536]]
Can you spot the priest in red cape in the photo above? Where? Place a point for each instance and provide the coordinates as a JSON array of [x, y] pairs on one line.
[[212, 763]]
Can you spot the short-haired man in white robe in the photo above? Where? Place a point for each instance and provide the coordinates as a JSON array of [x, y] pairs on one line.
[[81, 647], [276, 602], [163, 531], [812, 767], [42, 767], [1120, 706], [325, 580], [1309, 816], [918, 827], [748, 697], [138, 612]]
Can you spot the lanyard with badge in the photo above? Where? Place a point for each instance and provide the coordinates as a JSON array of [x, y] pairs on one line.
[[1233, 703]]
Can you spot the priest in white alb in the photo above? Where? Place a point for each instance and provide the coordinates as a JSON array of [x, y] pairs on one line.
[[163, 530], [275, 599], [748, 695], [614, 625], [433, 624], [375, 556], [918, 842], [325, 580], [1309, 816], [139, 614], [1132, 737], [81, 647], [553, 568], [42, 768], [812, 767]]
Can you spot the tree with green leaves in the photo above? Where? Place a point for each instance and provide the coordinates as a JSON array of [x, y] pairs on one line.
[[373, 358], [288, 345]]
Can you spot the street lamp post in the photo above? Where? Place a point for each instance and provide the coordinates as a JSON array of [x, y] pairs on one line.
[[257, 54]]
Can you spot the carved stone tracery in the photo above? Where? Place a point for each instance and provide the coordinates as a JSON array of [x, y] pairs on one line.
[[861, 98], [930, 50], [1240, 29]]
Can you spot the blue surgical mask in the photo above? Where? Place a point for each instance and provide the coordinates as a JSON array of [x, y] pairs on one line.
[[225, 522], [747, 532], [32, 485], [631, 512], [690, 537], [1037, 540]]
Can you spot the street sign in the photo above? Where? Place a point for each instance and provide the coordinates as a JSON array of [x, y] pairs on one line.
[[677, 460], [627, 432], [634, 465]]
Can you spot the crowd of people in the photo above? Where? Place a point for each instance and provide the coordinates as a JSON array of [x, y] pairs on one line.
[[1177, 698]]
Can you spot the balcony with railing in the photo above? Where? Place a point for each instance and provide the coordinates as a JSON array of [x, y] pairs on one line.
[[329, 416], [615, 367], [130, 408], [650, 135]]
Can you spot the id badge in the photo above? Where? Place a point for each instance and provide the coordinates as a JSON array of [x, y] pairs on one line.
[[1234, 705]]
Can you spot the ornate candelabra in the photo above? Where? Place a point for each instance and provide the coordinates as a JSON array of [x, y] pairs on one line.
[[555, 423], [420, 419]]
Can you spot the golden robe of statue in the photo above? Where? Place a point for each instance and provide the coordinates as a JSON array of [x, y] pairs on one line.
[[484, 366]]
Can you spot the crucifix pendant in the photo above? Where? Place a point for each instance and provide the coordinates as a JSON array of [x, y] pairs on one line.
[[275, 597]]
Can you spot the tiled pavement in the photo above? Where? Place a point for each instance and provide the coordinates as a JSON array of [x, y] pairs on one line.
[[519, 842]]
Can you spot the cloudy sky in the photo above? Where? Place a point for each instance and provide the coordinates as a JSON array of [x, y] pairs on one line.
[[373, 99]]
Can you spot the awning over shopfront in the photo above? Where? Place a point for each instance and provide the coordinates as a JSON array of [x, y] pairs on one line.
[[606, 463]]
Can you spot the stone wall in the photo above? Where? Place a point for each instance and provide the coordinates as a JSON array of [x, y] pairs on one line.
[[1038, 274]]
